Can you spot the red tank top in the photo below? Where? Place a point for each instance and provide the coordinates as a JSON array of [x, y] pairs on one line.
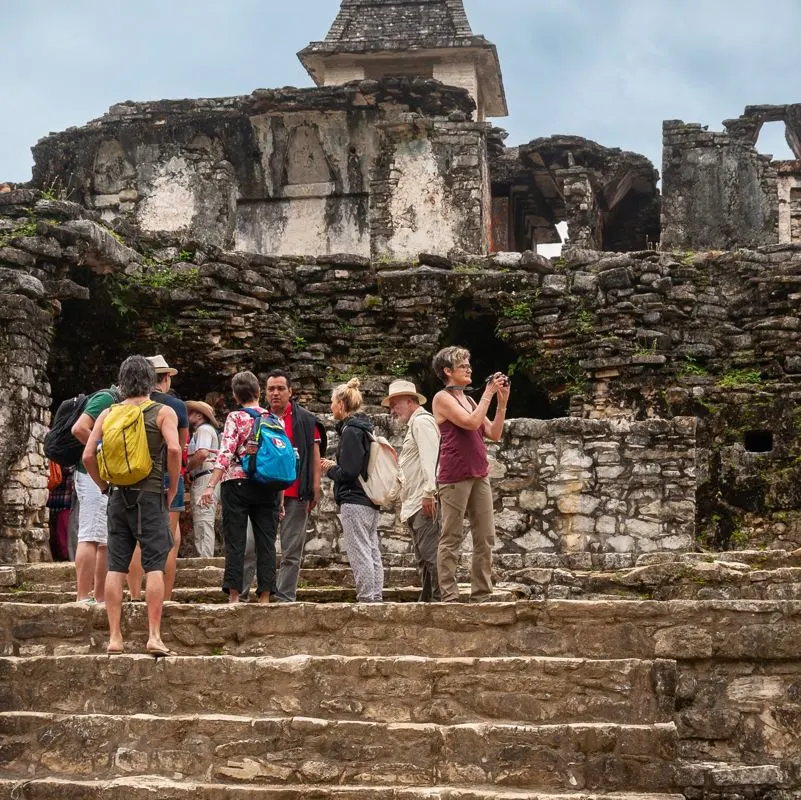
[[462, 454]]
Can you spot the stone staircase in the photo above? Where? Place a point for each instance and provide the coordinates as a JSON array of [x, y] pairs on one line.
[[606, 696]]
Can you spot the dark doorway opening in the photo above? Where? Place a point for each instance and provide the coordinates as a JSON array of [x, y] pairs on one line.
[[474, 329], [758, 441]]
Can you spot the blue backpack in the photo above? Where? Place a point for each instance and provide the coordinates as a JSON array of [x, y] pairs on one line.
[[269, 456]]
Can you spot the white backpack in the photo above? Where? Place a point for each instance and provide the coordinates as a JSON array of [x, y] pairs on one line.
[[384, 478]]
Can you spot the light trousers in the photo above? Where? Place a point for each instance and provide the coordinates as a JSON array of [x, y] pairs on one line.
[[203, 518], [360, 537], [472, 497]]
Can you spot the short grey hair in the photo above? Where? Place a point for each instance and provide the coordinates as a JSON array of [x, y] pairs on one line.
[[245, 386], [447, 358], [136, 378]]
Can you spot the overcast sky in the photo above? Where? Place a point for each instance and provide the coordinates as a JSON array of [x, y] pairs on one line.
[[610, 70]]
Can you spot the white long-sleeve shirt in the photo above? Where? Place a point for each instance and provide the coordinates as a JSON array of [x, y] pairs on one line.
[[418, 462]]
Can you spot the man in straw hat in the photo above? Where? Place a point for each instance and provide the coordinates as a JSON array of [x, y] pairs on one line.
[[202, 452], [418, 462]]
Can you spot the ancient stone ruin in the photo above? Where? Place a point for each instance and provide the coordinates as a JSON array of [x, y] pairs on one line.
[[645, 638]]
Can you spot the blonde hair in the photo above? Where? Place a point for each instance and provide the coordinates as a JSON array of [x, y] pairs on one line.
[[349, 395]]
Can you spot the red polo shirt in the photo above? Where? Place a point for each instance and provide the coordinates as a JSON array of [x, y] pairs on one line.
[[294, 489]]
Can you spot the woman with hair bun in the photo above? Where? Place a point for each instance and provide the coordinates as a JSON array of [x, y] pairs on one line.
[[357, 513]]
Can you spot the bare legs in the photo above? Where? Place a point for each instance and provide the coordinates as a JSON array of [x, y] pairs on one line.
[[172, 558], [91, 565], [154, 595], [135, 573]]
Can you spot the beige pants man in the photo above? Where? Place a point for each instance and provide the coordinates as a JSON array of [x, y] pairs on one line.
[[203, 516]]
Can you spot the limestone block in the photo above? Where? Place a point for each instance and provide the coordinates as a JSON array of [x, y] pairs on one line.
[[506, 260], [571, 458], [577, 504], [677, 543], [621, 544], [534, 540], [606, 525], [683, 641], [531, 500], [609, 473], [8, 576], [556, 284], [511, 521], [642, 529]]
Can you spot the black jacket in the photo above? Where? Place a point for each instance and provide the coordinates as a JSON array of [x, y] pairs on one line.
[[353, 455], [304, 425]]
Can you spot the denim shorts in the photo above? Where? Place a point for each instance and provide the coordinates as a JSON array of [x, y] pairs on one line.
[[179, 504]]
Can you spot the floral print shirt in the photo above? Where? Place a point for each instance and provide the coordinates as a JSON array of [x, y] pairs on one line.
[[238, 425]]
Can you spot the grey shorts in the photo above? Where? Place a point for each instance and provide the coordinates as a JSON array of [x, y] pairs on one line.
[[137, 516]]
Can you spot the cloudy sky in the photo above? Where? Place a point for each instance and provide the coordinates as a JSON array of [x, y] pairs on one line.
[[610, 70]]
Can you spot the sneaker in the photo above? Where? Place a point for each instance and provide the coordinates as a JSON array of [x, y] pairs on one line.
[[87, 601]]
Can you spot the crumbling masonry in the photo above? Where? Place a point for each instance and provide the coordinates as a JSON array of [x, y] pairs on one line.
[[647, 486]]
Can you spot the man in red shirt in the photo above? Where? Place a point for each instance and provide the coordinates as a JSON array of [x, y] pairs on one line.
[[308, 437]]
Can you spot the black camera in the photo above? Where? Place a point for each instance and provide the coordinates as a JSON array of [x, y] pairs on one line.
[[505, 380]]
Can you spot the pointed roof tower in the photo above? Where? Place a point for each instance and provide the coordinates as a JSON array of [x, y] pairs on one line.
[[431, 38]]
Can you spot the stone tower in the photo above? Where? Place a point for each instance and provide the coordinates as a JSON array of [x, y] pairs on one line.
[[428, 38]]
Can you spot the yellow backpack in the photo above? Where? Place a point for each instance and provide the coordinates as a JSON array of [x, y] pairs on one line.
[[124, 457]]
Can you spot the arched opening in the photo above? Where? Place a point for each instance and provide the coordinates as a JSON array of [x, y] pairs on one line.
[[475, 329]]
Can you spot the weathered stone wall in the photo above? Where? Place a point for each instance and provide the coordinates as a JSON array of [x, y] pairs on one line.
[[429, 189], [718, 192], [609, 490], [284, 172], [789, 201], [26, 317], [607, 197], [630, 336]]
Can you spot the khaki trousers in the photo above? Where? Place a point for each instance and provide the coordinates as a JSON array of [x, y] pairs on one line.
[[474, 498], [203, 517]]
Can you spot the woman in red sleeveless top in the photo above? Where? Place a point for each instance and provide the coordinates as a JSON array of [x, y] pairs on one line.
[[463, 475]]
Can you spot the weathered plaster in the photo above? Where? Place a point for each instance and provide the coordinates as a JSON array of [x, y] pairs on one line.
[[170, 205], [420, 208], [789, 202]]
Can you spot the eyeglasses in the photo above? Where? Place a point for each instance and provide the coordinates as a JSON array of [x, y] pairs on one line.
[[465, 366]]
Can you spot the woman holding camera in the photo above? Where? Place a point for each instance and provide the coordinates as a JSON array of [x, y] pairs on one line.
[[463, 475]]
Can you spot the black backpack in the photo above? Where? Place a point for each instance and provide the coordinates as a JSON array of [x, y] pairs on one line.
[[60, 445]]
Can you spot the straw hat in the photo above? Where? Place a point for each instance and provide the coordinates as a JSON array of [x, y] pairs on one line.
[[202, 408], [161, 366], [402, 389]]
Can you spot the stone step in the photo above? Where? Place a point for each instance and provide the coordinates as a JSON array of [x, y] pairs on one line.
[[148, 787], [317, 594], [773, 578], [291, 750], [48, 577], [686, 630], [382, 689], [722, 779]]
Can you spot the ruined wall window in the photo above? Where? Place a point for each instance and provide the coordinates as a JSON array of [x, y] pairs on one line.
[[555, 250], [772, 141], [758, 441]]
